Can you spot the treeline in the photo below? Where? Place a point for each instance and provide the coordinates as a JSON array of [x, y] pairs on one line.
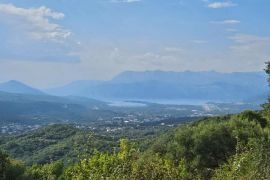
[[229, 147]]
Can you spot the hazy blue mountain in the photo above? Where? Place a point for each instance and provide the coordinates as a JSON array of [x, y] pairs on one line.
[[190, 77], [18, 87], [76, 88], [209, 85], [29, 98], [44, 109]]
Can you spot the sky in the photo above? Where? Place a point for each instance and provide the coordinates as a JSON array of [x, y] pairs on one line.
[[48, 43]]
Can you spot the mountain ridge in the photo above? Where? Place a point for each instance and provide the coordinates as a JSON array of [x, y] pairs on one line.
[[14, 86], [212, 85]]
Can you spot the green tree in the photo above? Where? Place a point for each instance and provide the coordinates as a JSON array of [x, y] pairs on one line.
[[45, 172], [9, 168], [4, 162], [266, 106], [251, 162], [253, 116]]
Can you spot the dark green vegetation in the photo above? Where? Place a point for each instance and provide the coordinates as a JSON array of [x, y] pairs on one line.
[[56, 142], [228, 147], [68, 142]]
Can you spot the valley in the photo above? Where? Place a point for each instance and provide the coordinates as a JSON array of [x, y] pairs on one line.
[[24, 108]]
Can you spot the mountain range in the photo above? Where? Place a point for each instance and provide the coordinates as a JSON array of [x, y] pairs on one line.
[[153, 85], [161, 85]]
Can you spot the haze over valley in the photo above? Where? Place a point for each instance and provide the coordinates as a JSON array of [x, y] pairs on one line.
[[133, 97]]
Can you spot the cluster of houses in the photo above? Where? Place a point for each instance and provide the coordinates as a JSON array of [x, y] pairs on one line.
[[14, 128]]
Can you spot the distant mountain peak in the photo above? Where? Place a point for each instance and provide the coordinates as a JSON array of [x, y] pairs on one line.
[[14, 82], [14, 86]]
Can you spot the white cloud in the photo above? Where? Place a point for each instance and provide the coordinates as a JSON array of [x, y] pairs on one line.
[[251, 50], [228, 21], [197, 41], [232, 30], [36, 22], [250, 40], [218, 5], [174, 49], [125, 1], [32, 34]]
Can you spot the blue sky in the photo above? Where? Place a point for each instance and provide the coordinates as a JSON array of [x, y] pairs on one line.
[[48, 43]]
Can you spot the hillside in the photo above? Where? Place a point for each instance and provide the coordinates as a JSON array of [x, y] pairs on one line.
[[29, 109], [228, 147], [54, 142]]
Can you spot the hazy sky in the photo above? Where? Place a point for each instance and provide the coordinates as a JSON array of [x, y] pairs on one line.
[[47, 43]]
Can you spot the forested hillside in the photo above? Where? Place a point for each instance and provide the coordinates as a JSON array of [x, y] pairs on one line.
[[227, 147], [55, 142]]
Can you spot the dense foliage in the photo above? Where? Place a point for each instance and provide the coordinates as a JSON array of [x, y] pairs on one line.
[[55, 142], [229, 147]]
